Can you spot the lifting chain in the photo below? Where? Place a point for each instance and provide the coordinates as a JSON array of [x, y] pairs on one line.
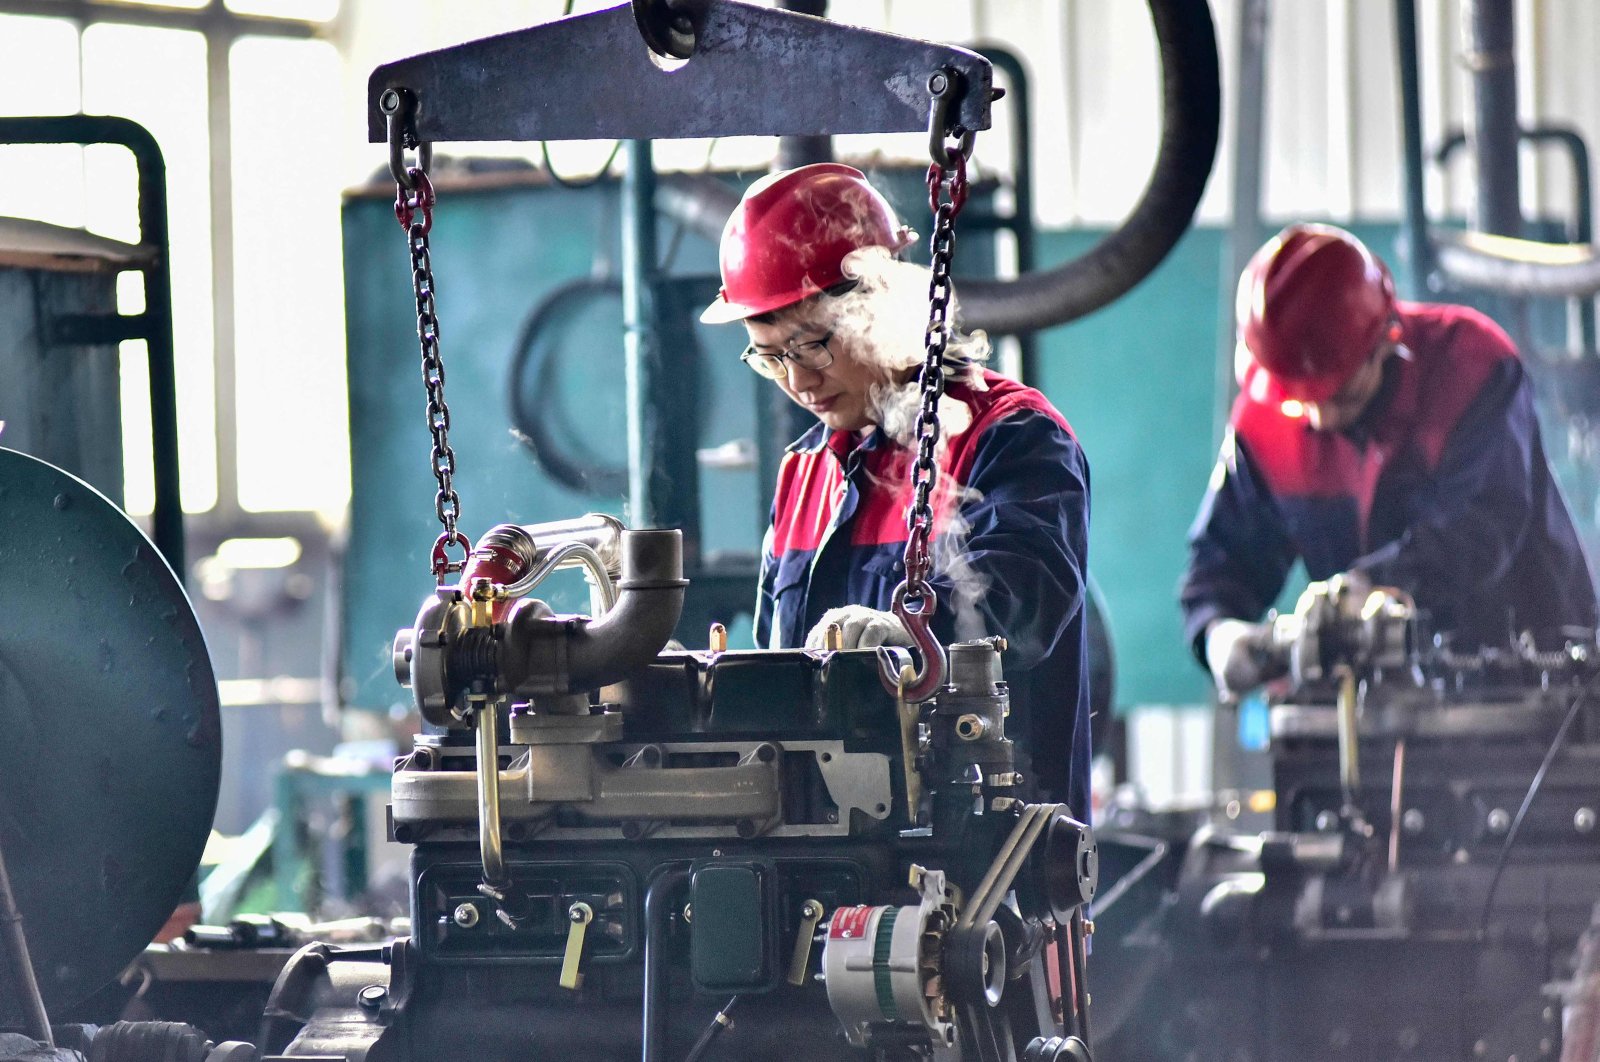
[[915, 600], [413, 207]]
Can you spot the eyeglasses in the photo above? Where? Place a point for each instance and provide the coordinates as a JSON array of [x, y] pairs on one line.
[[812, 354]]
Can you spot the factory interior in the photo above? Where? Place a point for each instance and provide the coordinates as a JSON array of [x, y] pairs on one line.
[[1149, 571]]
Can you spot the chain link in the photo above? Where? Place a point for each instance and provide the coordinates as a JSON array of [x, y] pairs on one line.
[[413, 207], [916, 591], [915, 600]]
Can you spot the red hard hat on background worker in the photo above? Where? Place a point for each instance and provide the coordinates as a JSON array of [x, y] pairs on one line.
[[788, 238], [1313, 305]]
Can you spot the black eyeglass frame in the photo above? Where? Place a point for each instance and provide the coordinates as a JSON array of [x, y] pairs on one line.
[[751, 353]]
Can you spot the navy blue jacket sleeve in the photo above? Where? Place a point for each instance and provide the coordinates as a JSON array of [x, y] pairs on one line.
[[1240, 550], [765, 586], [1473, 520], [1015, 561]]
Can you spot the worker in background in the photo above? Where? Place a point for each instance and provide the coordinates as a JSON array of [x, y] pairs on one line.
[[809, 267], [1390, 440]]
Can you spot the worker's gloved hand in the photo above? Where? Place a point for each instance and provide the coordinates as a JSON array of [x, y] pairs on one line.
[[1237, 654], [1357, 584], [863, 628]]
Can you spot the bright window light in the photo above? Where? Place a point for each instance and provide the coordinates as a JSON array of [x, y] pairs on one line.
[[156, 77], [39, 75], [237, 553], [309, 10], [288, 289], [163, 3]]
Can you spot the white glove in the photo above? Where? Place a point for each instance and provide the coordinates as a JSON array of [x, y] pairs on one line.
[[862, 627], [1236, 653]]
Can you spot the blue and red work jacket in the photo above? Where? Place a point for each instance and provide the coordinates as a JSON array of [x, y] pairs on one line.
[[1440, 489], [1011, 529]]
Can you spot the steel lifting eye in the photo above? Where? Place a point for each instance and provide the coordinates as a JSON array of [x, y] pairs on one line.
[[669, 27], [944, 89], [399, 107]]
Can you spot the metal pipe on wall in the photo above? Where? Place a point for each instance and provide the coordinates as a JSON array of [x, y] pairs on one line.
[[1580, 228], [154, 325], [1489, 262], [1418, 250], [639, 338], [1245, 233], [1022, 229], [1493, 128], [804, 150]]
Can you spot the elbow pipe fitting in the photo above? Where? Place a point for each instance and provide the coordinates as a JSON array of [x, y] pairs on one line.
[[649, 602], [543, 654], [1192, 111], [1516, 267]]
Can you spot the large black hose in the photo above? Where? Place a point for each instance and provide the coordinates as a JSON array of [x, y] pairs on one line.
[[1191, 109]]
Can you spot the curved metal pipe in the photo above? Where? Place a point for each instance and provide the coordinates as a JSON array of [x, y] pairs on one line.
[[604, 592], [488, 770], [154, 325], [649, 602], [1191, 108], [1517, 267], [657, 906]]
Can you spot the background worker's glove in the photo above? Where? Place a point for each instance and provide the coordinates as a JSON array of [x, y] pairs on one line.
[[1238, 655], [863, 628]]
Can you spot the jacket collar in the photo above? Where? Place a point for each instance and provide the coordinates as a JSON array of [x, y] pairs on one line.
[[819, 437]]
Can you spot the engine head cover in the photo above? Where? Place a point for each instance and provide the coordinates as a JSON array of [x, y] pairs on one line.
[[112, 739]]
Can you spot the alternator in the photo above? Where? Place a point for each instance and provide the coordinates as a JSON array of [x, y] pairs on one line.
[[882, 965]]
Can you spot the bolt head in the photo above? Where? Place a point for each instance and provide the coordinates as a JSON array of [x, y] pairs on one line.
[[465, 915]]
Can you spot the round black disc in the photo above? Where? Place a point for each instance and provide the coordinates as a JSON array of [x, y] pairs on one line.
[[112, 739]]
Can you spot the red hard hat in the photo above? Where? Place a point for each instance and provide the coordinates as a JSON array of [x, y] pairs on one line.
[[1313, 305], [789, 235]]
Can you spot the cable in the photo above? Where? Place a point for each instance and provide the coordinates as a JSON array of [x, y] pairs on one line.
[[676, 239], [577, 182], [534, 386], [1527, 801], [715, 1029], [544, 146]]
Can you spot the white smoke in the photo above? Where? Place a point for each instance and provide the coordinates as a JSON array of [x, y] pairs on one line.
[[969, 587], [884, 321]]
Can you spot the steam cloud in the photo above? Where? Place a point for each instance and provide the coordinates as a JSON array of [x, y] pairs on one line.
[[884, 319]]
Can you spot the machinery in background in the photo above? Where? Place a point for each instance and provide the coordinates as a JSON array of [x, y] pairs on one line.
[[609, 839], [1432, 869]]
